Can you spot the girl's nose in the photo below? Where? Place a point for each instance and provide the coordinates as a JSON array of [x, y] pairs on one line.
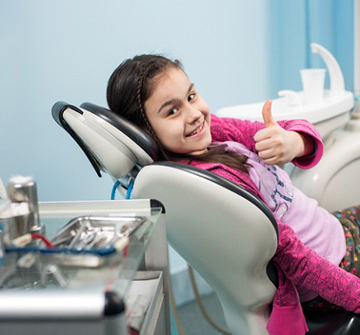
[[192, 114]]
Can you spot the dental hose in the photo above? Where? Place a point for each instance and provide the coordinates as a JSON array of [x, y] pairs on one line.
[[201, 305], [174, 310]]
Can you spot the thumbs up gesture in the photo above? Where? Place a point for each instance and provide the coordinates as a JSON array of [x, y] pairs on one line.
[[275, 145]]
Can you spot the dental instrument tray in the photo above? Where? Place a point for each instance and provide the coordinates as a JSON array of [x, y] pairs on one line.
[[86, 240], [95, 234]]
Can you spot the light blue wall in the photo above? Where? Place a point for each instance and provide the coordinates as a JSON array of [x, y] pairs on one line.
[[66, 50], [294, 25]]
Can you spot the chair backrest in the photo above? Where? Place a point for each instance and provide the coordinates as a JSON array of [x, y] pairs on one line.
[[226, 234]]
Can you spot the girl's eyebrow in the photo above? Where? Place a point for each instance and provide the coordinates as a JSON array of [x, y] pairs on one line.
[[176, 100]]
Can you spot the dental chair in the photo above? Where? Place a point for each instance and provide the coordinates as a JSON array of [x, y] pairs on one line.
[[225, 233]]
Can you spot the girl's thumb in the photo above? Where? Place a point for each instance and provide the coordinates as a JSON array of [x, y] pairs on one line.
[[266, 114]]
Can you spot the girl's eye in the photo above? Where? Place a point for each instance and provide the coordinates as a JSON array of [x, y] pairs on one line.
[[191, 97], [172, 111]]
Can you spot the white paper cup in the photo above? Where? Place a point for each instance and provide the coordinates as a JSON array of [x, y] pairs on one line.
[[313, 84]]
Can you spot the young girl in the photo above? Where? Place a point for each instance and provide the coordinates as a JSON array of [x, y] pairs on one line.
[[155, 93]]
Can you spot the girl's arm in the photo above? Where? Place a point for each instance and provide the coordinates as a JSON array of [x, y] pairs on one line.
[[243, 131], [304, 267]]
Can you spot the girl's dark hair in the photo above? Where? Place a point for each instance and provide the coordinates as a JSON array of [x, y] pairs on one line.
[[131, 84]]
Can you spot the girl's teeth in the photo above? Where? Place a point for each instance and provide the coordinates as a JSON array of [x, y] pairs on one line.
[[197, 130]]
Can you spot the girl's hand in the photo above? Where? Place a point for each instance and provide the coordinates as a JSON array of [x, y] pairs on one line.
[[277, 146]]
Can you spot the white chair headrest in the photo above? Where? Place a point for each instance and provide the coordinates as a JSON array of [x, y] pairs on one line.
[[111, 143]]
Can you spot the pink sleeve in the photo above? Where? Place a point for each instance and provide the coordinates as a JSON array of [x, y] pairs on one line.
[[305, 127], [243, 131], [287, 317], [304, 267]]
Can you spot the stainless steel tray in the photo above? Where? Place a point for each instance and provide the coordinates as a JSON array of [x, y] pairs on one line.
[[86, 241], [91, 241], [95, 233]]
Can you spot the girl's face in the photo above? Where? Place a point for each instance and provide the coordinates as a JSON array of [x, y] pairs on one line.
[[179, 116]]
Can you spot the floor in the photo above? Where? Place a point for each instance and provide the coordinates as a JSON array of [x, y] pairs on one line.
[[193, 321]]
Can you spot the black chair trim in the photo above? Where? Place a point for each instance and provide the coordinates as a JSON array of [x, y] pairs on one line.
[[57, 113]]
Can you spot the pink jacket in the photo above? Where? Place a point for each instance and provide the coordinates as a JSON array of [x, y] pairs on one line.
[[296, 263]]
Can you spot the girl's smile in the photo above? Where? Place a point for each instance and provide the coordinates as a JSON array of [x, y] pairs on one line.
[[198, 131], [179, 116]]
